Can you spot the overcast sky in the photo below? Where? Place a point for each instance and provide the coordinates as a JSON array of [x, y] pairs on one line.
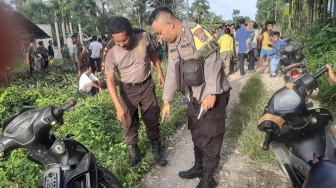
[[225, 7]]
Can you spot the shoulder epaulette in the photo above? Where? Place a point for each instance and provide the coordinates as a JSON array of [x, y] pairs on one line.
[[204, 41]]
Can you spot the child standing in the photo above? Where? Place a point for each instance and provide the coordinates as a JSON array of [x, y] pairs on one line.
[[277, 44], [266, 50]]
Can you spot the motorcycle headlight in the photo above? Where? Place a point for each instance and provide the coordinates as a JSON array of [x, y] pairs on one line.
[[286, 100]]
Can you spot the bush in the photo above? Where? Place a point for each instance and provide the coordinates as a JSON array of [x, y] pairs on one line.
[[94, 125], [244, 118], [323, 52]]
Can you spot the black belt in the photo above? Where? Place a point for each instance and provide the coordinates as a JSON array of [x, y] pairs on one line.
[[137, 84]]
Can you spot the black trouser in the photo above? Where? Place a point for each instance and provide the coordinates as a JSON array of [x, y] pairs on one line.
[[251, 60], [46, 63], [143, 96], [208, 132], [95, 64]]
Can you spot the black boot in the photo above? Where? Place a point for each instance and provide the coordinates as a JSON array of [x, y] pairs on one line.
[[196, 170], [156, 149], [207, 180], [133, 154]]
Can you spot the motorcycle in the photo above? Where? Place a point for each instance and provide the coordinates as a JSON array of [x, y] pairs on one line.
[[67, 163], [301, 138], [292, 64]]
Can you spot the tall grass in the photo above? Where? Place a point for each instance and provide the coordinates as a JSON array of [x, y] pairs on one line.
[[244, 119]]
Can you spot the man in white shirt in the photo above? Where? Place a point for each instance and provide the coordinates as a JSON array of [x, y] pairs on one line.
[[88, 82], [95, 49]]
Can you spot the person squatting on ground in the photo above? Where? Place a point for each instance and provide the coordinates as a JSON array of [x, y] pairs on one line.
[[88, 82], [277, 44], [243, 36], [194, 65], [226, 50], [129, 58], [31, 58], [331, 74]]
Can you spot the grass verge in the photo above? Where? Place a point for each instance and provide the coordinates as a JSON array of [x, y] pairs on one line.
[[94, 125], [244, 119]]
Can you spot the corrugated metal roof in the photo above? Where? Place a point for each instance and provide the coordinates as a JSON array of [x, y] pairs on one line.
[[21, 22]]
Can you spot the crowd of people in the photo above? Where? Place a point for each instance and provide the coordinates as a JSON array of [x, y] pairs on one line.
[[42, 54], [199, 64], [251, 42]]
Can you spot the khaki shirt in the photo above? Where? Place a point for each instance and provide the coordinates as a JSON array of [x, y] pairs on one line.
[[132, 65], [184, 47]]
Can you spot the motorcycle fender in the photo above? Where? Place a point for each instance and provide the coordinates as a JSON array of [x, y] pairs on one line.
[[295, 65], [85, 172]]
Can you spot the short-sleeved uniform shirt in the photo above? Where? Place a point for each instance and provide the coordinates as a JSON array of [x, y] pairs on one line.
[[196, 42], [131, 65]]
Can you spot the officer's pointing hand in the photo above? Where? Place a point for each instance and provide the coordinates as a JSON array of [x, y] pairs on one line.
[[165, 111], [161, 80], [208, 102]]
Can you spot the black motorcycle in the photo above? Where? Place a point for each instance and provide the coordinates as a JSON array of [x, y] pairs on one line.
[[292, 63], [299, 136], [67, 163]]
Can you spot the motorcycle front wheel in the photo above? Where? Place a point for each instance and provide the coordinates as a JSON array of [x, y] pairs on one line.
[[106, 179]]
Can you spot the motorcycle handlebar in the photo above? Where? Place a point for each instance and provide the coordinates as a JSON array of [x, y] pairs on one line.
[[65, 107], [320, 72], [267, 141]]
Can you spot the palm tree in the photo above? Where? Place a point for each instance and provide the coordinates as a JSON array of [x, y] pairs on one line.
[[199, 9], [213, 21]]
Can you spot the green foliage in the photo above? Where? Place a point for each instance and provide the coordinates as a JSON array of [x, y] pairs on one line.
[[95, 125], [323, 52], [244, 120]]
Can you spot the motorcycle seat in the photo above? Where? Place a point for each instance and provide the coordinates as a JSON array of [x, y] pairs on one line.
[[322, 175]]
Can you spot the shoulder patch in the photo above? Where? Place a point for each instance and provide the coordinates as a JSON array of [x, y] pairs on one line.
[[204, 41]]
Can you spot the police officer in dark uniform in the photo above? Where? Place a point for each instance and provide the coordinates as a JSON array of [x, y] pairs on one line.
[[194, 66]]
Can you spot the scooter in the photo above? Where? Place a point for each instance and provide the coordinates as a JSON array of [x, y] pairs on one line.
[[292, 63], [300, 137], [67, 163]]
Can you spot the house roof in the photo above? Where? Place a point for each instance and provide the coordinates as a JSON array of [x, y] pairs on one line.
[[24, 23]]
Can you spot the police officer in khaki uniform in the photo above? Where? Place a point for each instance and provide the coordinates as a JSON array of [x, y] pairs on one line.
[[129, 58], [194, 66]]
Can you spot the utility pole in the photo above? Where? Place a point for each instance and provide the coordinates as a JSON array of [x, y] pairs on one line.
[[187, 11]]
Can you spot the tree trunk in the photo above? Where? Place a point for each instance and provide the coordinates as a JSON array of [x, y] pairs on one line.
[[325, 11], [334, 14]]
